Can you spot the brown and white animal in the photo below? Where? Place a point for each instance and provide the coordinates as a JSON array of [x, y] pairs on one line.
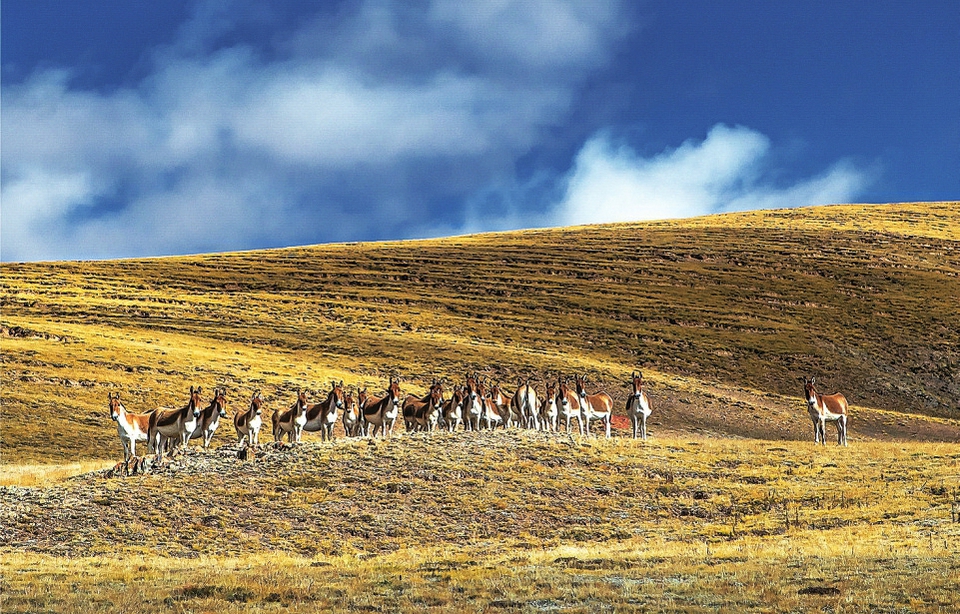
[[473, 404], [568, 405], [497, 408], [381, 412], [209, 419], [524, 407], [638, 406], [549, 413], [175, 425], [290, 421], [352, 422], [248, 423], [825, 408], [453, 408], [323, 416], [426, 411], [130, 427], [597, 406]]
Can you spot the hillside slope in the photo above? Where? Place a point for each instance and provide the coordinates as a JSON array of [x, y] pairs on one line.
[[723, 314]]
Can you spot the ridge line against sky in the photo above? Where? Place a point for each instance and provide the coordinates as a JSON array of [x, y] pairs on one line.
[[211, 125]]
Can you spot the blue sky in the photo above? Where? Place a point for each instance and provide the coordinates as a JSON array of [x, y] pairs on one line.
[[153, 128]]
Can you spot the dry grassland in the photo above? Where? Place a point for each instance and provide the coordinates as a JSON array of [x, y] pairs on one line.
[[728, 507]]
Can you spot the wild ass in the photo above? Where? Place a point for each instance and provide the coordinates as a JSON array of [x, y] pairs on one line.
[[426, 411], [352, 423], [175, 425], [453, 408], [209, 419], [548, 409], [638, 406], [473, 404], [499, 405], [290, 422], [130, 427], [825, 408], [323, 416], [382, 412], [248, 423], [523, 406], [568, 405], [597, 406]]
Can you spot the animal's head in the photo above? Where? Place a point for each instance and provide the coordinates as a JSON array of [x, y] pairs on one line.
[[337, 393], [563, 389], [256, 403], [301, 400], [362, 396], [436, 395], [349, 401], [636, 380], [809, 391], [393, 391], [195, 400], [113, 401], [580, 381], [472, 388], [220, 399]]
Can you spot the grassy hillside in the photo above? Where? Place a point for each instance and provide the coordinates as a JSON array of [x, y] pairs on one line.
[[724, 313], [728, 507]]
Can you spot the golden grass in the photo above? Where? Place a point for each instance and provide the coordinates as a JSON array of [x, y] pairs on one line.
[[45, 475], [677, 525], [729, 507], [717, 311]]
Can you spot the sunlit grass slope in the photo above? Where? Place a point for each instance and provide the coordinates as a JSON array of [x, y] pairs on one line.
[[723, 314]]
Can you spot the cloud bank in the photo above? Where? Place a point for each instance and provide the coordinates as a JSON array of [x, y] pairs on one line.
[[374, 121], [730, 170]]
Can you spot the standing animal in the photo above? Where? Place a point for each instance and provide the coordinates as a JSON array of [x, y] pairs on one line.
[[209, 419], [323, 416], [130, 427], [426, 411], [597, 406], [352, 422], [453, 408], [248, 423], [568, 405], [638, 406], [175, 425], [548, 409], [473, 404], [523, 406], [290, 422], [825, 408], [381, 412], [497, 408]]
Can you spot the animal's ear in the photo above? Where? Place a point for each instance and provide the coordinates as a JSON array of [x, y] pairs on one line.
[[199, 389], [341, 383], [813, 379]]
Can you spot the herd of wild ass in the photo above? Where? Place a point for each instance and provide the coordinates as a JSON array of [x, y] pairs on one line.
[[470, 406]]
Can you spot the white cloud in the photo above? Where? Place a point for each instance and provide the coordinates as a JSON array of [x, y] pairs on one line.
[[727, 171], [372, 105]]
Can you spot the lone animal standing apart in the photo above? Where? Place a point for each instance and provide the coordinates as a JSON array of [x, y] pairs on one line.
[[638, 406], [825, 408]]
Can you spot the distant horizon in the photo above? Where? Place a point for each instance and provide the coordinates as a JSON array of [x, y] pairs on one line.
[[202, 126], [470, 234]]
